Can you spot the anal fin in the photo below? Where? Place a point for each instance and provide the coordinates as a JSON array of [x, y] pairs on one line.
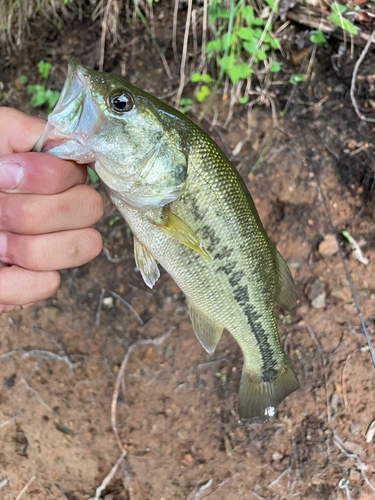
[[286, 296], [180, 231], [207, 332], [146, 263], [258, 398]]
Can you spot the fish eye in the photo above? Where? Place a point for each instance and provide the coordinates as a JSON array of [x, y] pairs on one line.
[[120, 102]]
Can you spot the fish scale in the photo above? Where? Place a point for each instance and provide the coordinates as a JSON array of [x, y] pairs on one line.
[[190, 211]]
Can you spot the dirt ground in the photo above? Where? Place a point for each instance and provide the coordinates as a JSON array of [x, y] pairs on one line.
[[177, 420]]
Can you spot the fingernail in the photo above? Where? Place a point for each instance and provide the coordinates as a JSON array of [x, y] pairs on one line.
[[11, 174], [3, 245]]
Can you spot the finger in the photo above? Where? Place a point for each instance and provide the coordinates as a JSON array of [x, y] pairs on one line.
[[79, 207], [50, 252], [21, 287], [6, 308], [38, 173], [18, 132]]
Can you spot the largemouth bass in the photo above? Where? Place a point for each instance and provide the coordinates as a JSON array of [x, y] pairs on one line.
[[190, 211]]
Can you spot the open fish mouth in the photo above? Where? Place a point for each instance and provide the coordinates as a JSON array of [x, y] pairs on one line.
[[74, 119]]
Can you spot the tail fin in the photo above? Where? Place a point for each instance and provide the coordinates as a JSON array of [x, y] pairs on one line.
[[258, 399]]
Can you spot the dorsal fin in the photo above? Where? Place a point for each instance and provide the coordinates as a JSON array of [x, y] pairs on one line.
[[207, 332], [286, 296], [146, 263]]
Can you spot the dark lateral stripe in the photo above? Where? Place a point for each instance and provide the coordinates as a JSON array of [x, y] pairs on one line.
[[268, 361]]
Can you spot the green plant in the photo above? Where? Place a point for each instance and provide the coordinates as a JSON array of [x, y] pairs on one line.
[[93, 178], [296, 79], [242, 38], [185, 104], [336, 17], [318, 37], [41, 95]]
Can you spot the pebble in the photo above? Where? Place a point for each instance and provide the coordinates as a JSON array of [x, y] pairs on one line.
[[342, 293], [317, 294], [328, 246]]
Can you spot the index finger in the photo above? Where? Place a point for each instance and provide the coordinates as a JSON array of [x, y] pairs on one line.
[[25, 172]]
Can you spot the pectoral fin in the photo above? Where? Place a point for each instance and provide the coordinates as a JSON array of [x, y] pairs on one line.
[[177, 229], [207, 332], [146, 263], [286, 296]]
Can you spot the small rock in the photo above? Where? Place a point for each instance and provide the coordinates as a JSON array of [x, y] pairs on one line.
[[108, 302], [328, 246], [277, 456], [319, 301], [342, 293], [355, 475], [354, 427], [316, 294], [352, 447]]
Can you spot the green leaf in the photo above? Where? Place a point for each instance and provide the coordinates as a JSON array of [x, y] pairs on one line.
[[243, 100], [245, 33], [281, 113], [251, 47], [224, 14], [266, 47], [202, 93], [258, 32], [261, 55], [239, 71], [227, 62], [274, 6], [317, 37], [267, 38], [213, 45], [43, 69], [338, 8], [228, 40], [296, 79], [196, 77], [206, 78], [343, 23], [275, 44], [115, 218], [185, 101], [23, 79], [258, 22], [212, 14], [52, 96], [92, 176], [275, 67], [248, 14]]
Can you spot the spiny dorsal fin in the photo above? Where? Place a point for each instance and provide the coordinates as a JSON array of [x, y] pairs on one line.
[[146, 263], [286, 296], [207, 332], [177, 229], [258, 399]]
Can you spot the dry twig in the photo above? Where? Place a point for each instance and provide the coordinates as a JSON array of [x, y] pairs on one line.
[[7, 422], [128, 306], [24, 489], [121, 373], [354, 77], [108, 477]]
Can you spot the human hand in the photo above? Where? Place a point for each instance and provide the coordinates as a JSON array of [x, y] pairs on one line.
[[45, 215]]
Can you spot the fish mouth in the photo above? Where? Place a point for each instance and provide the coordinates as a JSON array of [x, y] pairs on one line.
[[75, 118]]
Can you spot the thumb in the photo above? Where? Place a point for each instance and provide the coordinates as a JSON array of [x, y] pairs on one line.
[[18, 132]]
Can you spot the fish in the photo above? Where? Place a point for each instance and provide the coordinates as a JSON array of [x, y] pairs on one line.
[[190, 211]]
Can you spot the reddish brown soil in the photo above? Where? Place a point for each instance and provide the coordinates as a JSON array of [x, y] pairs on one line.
[[178, 421]]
